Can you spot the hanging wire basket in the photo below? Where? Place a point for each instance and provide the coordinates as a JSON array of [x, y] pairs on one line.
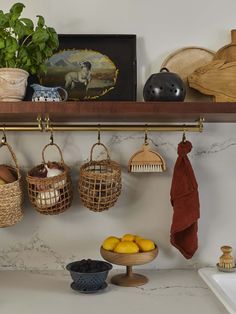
[[50, 195], [100, 182]]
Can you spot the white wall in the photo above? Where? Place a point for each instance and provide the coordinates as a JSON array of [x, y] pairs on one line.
[[144, 208]]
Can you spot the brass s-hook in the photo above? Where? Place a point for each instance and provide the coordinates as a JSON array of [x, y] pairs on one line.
[[51, 136], [4, 138], [184, 135], [99, 134], [146, 136]]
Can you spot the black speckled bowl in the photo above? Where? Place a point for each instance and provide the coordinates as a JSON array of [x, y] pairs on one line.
[[90, 280]]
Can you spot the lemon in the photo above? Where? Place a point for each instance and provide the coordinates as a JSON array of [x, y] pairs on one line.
[[146, 245], [126, 247], [110, 243], [137, 238], [128, 237]]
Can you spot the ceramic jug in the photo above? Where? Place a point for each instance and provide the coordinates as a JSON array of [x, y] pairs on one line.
[[42, 93]]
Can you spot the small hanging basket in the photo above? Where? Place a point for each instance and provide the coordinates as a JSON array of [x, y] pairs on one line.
[[11, 195], [100, 182], [50, 195]]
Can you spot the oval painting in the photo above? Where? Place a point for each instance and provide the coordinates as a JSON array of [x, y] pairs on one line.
[[85, 74]]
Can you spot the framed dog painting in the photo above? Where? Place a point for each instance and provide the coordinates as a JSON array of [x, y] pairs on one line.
[[94, 67]]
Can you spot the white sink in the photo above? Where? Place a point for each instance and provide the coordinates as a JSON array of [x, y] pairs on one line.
[[223, 285]]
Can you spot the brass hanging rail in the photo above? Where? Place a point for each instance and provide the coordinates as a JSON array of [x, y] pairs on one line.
[[198, 127], [24, 127], [47, 125]]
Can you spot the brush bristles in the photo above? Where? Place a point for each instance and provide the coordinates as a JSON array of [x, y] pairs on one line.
[[227, 265], [146, 168]]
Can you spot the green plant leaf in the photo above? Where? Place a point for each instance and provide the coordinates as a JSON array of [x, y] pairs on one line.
[[40, 35], [41, 21], [53, 37], [20, 30], [2, 43], [28, 23], [17, 8], [4, 20], [11, 45]]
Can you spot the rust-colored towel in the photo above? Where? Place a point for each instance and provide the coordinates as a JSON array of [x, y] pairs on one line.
[[185, 202]]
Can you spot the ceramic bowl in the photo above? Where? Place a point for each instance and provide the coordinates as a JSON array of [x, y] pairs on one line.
[[88, 281]]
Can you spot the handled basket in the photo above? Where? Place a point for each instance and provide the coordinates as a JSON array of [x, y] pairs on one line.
[[52, 195], [100, 182], [11, 195]]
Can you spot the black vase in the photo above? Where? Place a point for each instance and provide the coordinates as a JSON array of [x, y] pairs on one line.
[[164, 86]]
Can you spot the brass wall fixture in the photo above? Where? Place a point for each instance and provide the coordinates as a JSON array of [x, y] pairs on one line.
[[47, 125], [198, 127]]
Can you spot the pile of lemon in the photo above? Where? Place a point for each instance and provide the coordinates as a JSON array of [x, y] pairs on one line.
[[129, 243]]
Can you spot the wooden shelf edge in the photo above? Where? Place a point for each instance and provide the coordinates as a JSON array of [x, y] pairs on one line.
[[106, 111]]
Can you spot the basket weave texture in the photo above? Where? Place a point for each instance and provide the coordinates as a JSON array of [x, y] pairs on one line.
[[11, 195], [50, 195], [100, 182]]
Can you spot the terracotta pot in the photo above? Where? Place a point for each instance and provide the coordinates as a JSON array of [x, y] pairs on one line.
[[13, 84]]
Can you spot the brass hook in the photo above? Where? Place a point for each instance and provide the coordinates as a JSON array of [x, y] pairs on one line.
[[4, 138], [146, 136], [51, 136], [184, 136], [99, 134], [49, 127]]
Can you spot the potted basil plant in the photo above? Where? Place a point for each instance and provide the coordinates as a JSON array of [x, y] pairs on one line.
[[24, 48]]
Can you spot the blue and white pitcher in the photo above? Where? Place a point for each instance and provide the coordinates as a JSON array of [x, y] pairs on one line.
[[42, 93]]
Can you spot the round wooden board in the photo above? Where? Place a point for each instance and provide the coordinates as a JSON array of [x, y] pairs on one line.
[[186, 60], [228, 52]]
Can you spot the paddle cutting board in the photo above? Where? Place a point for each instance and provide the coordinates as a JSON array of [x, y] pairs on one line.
[[185, 61], [217, 78], [228, 52]]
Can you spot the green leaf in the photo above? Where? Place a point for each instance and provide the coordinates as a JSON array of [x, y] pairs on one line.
[[19, 29], [2, 43], [4, 20], [41, 21], [41, 46], [17, 8], [53, 37], [11, 45], [28, 23], [40, 35]]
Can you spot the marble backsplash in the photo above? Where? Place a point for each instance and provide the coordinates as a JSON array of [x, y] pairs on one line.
[[45, 242]]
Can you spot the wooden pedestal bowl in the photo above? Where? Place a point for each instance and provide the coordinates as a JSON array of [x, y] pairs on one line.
[[129, 279]]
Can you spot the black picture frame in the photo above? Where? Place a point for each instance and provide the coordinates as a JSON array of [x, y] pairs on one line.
[[119, 48]]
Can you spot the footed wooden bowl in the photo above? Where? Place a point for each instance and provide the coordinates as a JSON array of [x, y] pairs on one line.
[[129, 279]]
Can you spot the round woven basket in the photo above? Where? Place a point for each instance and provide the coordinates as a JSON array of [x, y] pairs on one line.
[[11, 195], [100, 182], [53, 195]]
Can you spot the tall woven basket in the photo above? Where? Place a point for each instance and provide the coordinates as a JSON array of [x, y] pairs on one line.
[[50, 195], [11, 195], [100, 182]]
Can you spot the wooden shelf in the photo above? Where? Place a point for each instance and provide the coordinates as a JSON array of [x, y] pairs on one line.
[[27, 111]]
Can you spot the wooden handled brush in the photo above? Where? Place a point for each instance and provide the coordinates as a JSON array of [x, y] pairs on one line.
[[146, 160], [226, 259]]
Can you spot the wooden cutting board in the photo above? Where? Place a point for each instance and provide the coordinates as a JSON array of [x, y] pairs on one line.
[[228, 52], [185, 61], [217, 78]]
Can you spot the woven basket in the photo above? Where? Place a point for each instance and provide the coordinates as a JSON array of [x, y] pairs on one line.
[[53, 195], [100, 182], [11, 195]]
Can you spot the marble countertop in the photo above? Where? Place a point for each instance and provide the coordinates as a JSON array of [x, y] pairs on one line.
[[168, 291]]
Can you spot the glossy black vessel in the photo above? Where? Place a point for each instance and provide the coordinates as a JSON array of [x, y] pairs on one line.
[[164, 86]]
